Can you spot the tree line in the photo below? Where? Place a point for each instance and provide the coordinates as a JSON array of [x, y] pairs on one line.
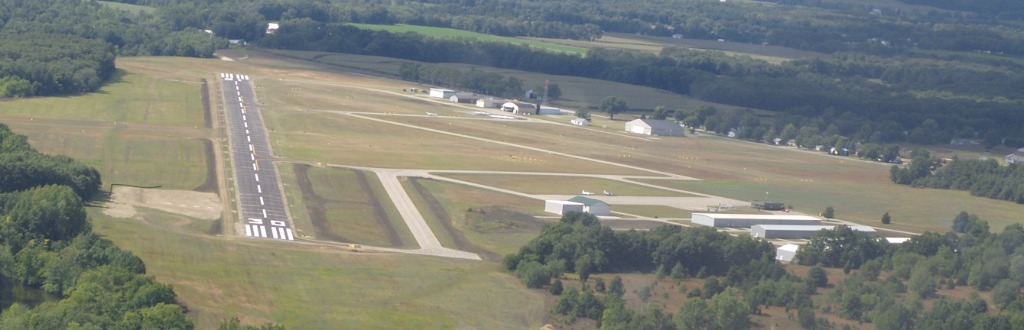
[[47, 243], [56, 47], [981, 177], [886, 284], [487, 83]]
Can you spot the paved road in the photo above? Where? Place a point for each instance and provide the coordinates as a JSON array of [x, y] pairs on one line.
[[260, 201]]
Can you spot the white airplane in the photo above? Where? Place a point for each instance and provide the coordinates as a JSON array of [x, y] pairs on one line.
[[608, 193], [587, 193]]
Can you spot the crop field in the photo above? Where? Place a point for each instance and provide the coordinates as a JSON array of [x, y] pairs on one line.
[[561, 184], [448, 33]]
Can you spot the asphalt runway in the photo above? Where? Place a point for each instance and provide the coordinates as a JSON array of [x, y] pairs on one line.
[[261, 203]]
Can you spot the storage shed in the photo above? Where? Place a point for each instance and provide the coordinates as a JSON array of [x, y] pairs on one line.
[[795, 231], [747, 220], [593, 206], [441, 93], [561, 207], [464, 98], [786, 253], [489, 102], [654, 127]]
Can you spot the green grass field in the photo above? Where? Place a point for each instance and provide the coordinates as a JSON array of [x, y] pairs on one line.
[[315, 288], [448, 33], [130, 98], [561, 185], [483, 221]]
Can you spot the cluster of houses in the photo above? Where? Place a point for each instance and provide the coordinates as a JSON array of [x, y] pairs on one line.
[[513, 106]]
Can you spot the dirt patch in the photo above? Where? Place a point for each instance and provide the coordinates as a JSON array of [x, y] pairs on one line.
[[314, 205], [210, 185], [193, 204], [461, 243]]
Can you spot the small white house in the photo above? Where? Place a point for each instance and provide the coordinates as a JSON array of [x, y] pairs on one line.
[[441, 93], [654, 127], [1015, 157], [786, 253], [562, 207], [580, 122], [272, 28]]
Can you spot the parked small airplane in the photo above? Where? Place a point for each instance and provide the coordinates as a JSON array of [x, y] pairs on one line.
[[608, 193], [587, 193]]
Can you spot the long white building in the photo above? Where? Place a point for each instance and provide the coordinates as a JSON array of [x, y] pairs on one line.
[[747, 220], [795, 231]]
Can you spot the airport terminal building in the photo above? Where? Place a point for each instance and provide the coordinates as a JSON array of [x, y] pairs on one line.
[[747, 220]]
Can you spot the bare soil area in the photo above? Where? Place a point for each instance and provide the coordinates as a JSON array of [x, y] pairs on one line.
[[199, 205]]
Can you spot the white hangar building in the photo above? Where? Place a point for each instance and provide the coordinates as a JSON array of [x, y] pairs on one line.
[[747, 220], [593, 206], [786, 253], [441, 93], [654, 127], [795, 231], [562, 207]]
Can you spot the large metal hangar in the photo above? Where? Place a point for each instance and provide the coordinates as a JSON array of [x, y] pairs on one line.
[[795, 231], [747, 220]]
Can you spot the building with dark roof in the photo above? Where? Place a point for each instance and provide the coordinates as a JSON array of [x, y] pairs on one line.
[[593, 206]]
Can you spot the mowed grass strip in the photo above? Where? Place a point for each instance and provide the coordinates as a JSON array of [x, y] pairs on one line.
[[343, 139], [356, 208], [495, 222], [448, 33], [124, 158], [561, 184], [127, 98], [303, 287]]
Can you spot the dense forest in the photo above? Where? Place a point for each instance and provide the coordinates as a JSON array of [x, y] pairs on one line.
[[888, 285], [47, 243], [56, 47]]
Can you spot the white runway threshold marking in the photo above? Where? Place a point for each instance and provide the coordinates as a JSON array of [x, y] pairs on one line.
[[248, 230], [289, 232], [273, 230], [263, 231]]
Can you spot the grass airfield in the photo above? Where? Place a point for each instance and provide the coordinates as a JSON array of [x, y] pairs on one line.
[[147, 128]]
